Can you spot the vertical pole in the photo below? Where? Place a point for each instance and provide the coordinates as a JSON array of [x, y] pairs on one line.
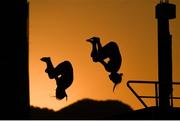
[[164, 12], [14, 78]]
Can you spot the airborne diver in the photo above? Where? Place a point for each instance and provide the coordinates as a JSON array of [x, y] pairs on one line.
[[62, 73], [110, 51]]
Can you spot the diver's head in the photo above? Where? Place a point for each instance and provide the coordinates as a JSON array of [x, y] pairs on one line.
[[60, 93], [116, 78]]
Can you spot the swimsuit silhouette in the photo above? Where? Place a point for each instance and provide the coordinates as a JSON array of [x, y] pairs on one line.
[[62, 73], [110, 51]]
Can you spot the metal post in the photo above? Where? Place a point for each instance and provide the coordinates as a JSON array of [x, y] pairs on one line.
[[164, 12]]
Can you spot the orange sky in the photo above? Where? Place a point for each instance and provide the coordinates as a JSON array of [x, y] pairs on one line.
[[59, 28]]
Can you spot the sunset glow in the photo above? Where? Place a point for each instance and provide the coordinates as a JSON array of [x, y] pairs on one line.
[[59, 29]]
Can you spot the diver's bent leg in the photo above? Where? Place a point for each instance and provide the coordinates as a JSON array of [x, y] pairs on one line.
[[94, 53]]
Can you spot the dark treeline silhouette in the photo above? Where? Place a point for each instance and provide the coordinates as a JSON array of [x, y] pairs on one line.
[[62, 73], [42, 113], [88, 109], [84, 109], [109, 51], [150, 113]]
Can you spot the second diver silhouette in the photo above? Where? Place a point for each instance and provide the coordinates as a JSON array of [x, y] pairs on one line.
[[62, 73], [111, 51]]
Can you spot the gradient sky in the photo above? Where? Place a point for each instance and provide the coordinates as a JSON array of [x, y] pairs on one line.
[[59, 28]]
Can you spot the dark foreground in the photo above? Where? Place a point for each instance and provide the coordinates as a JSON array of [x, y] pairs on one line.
[[90, 109]]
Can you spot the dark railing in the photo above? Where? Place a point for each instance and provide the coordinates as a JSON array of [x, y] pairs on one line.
[[156, 91]]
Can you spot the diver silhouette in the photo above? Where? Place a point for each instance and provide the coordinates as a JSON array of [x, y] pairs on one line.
[[62, 73], [109, 51]]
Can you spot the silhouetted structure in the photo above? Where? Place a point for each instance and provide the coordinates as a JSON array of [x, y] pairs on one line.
[[14, 78], [164, 94], [164, 12], [62, 73], [109, 51]]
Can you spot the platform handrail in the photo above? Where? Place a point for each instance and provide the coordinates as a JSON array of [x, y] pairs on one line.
[[156, 91]]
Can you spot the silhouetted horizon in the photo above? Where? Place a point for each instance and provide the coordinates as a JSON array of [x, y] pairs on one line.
[[86, 109], [83, 109]]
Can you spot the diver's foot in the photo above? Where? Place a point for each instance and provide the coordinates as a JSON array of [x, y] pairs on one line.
[[45, 59], [93, 40]]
